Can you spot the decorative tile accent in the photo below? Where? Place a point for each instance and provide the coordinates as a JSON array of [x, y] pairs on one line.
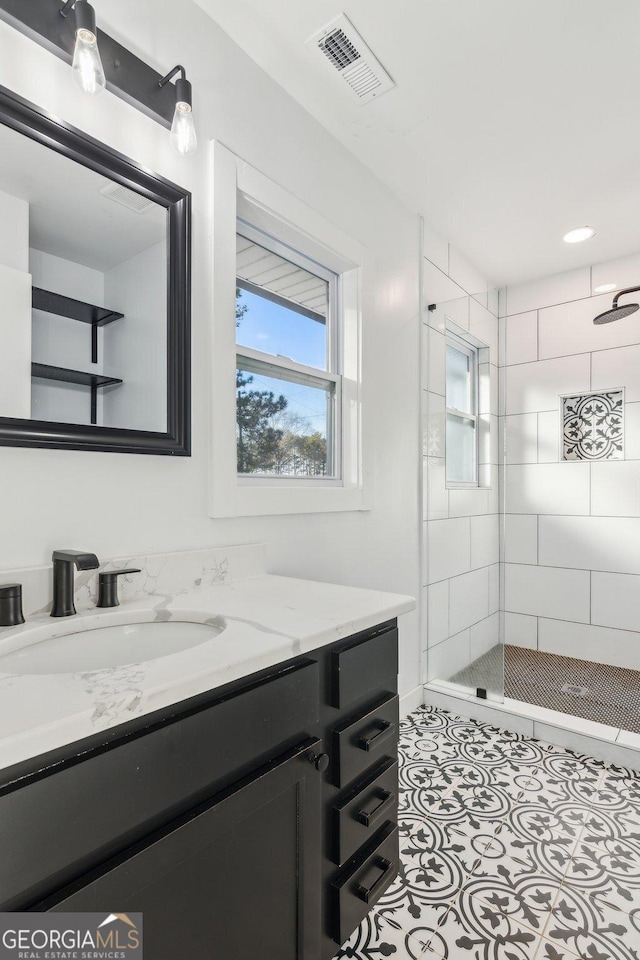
[[518, 850], [593, 426]]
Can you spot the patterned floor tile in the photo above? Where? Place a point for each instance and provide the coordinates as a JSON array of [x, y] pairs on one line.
[[608, 871], [449, 841], [548, 950], [475, 805], [511, 849], [428, 882], [517, 889], [551, 856], [565, 776], [375, 938], [594, 930], [421, 743], [475, 930], [619, 796]]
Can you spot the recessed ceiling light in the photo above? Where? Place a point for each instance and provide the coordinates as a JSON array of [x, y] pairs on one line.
[[605, 288], [579, 234]]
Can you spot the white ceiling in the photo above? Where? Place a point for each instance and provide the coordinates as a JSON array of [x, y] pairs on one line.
[[512, 120], [68, 216]]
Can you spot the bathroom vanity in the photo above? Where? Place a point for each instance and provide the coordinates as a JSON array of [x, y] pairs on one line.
[[257, 818]]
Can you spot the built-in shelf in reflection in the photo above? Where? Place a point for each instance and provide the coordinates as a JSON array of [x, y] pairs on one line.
[[43, 371], [63, 306]]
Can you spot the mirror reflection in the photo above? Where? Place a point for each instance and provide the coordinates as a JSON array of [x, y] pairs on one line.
[[83, 278]]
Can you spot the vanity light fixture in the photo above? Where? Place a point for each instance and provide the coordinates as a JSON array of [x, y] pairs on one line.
[[579, 234], [87, 68], [67, 28], [183, 131]]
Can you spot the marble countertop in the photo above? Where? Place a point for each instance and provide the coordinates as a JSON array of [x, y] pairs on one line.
[[269, 619]]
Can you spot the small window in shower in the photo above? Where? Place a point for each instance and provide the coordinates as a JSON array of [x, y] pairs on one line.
[[462, 410], [593, 426]]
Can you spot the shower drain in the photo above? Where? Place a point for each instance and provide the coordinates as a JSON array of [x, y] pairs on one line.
[[574, 690]]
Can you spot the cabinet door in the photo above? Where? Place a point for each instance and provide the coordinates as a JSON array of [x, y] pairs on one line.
[[237, 877]]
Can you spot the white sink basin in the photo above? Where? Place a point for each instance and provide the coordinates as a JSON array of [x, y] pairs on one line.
[[102, 647]]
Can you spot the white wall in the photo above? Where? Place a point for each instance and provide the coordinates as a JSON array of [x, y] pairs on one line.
[[119, 504], [135, 348], [14, 232], [61, 341], [460, 538], [572, 529], [15, 317]]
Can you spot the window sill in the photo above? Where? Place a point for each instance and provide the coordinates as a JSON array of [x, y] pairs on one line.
[[251, 499]]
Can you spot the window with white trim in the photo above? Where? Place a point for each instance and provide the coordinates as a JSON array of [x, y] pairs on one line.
[[461, 412], [288, 381], [299, 338]]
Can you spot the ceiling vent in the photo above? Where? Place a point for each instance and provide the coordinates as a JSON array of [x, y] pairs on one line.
[[341, 44], [126, 198]]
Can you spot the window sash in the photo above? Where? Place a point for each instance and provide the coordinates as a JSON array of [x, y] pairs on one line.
[[458, 343], [333, 324], [281, 301], [253, 361]]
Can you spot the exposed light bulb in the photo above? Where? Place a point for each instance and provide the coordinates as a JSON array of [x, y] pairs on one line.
[[183, 130], [87, 65]]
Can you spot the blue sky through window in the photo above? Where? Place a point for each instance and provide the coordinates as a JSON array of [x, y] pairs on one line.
[[271, 328]]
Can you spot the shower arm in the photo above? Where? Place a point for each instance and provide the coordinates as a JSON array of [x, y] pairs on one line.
[[621, 293]]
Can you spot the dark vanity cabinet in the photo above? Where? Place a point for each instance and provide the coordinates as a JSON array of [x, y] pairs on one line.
[[237, 873], [256, 820]]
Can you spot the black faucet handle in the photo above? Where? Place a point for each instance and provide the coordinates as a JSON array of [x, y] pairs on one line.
[[11, 604], [80, 558], [108, 586]]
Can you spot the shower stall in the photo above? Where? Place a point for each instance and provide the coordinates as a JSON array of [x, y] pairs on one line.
[[532, 499]]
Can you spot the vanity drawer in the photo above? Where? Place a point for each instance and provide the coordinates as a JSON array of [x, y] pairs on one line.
[[84, 810], [362, 740], [363, 666], [363, 881], [358, 814]]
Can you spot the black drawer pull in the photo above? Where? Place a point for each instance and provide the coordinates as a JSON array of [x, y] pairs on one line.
[[385, 729], [367, 817], [368, 893]]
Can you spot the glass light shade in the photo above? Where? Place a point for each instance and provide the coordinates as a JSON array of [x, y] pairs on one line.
[[183, 130], [87, 65]]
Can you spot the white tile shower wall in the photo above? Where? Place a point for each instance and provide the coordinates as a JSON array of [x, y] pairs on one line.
[[572, 530], [461, 533]]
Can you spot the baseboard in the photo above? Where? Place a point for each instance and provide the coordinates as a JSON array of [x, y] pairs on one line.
[[411, 701]]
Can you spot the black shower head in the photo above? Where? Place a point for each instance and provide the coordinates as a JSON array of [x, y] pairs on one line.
[[616, 312]]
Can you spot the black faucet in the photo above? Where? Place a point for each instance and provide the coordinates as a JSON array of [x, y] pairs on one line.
[[64, 562]]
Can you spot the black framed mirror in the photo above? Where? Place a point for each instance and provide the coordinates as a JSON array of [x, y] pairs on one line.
[[95, 285]]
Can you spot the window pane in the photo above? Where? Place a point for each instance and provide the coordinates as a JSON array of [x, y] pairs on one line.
[[272, 328], [461, 449], [284, 427], [459, 380], [281, 308]]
